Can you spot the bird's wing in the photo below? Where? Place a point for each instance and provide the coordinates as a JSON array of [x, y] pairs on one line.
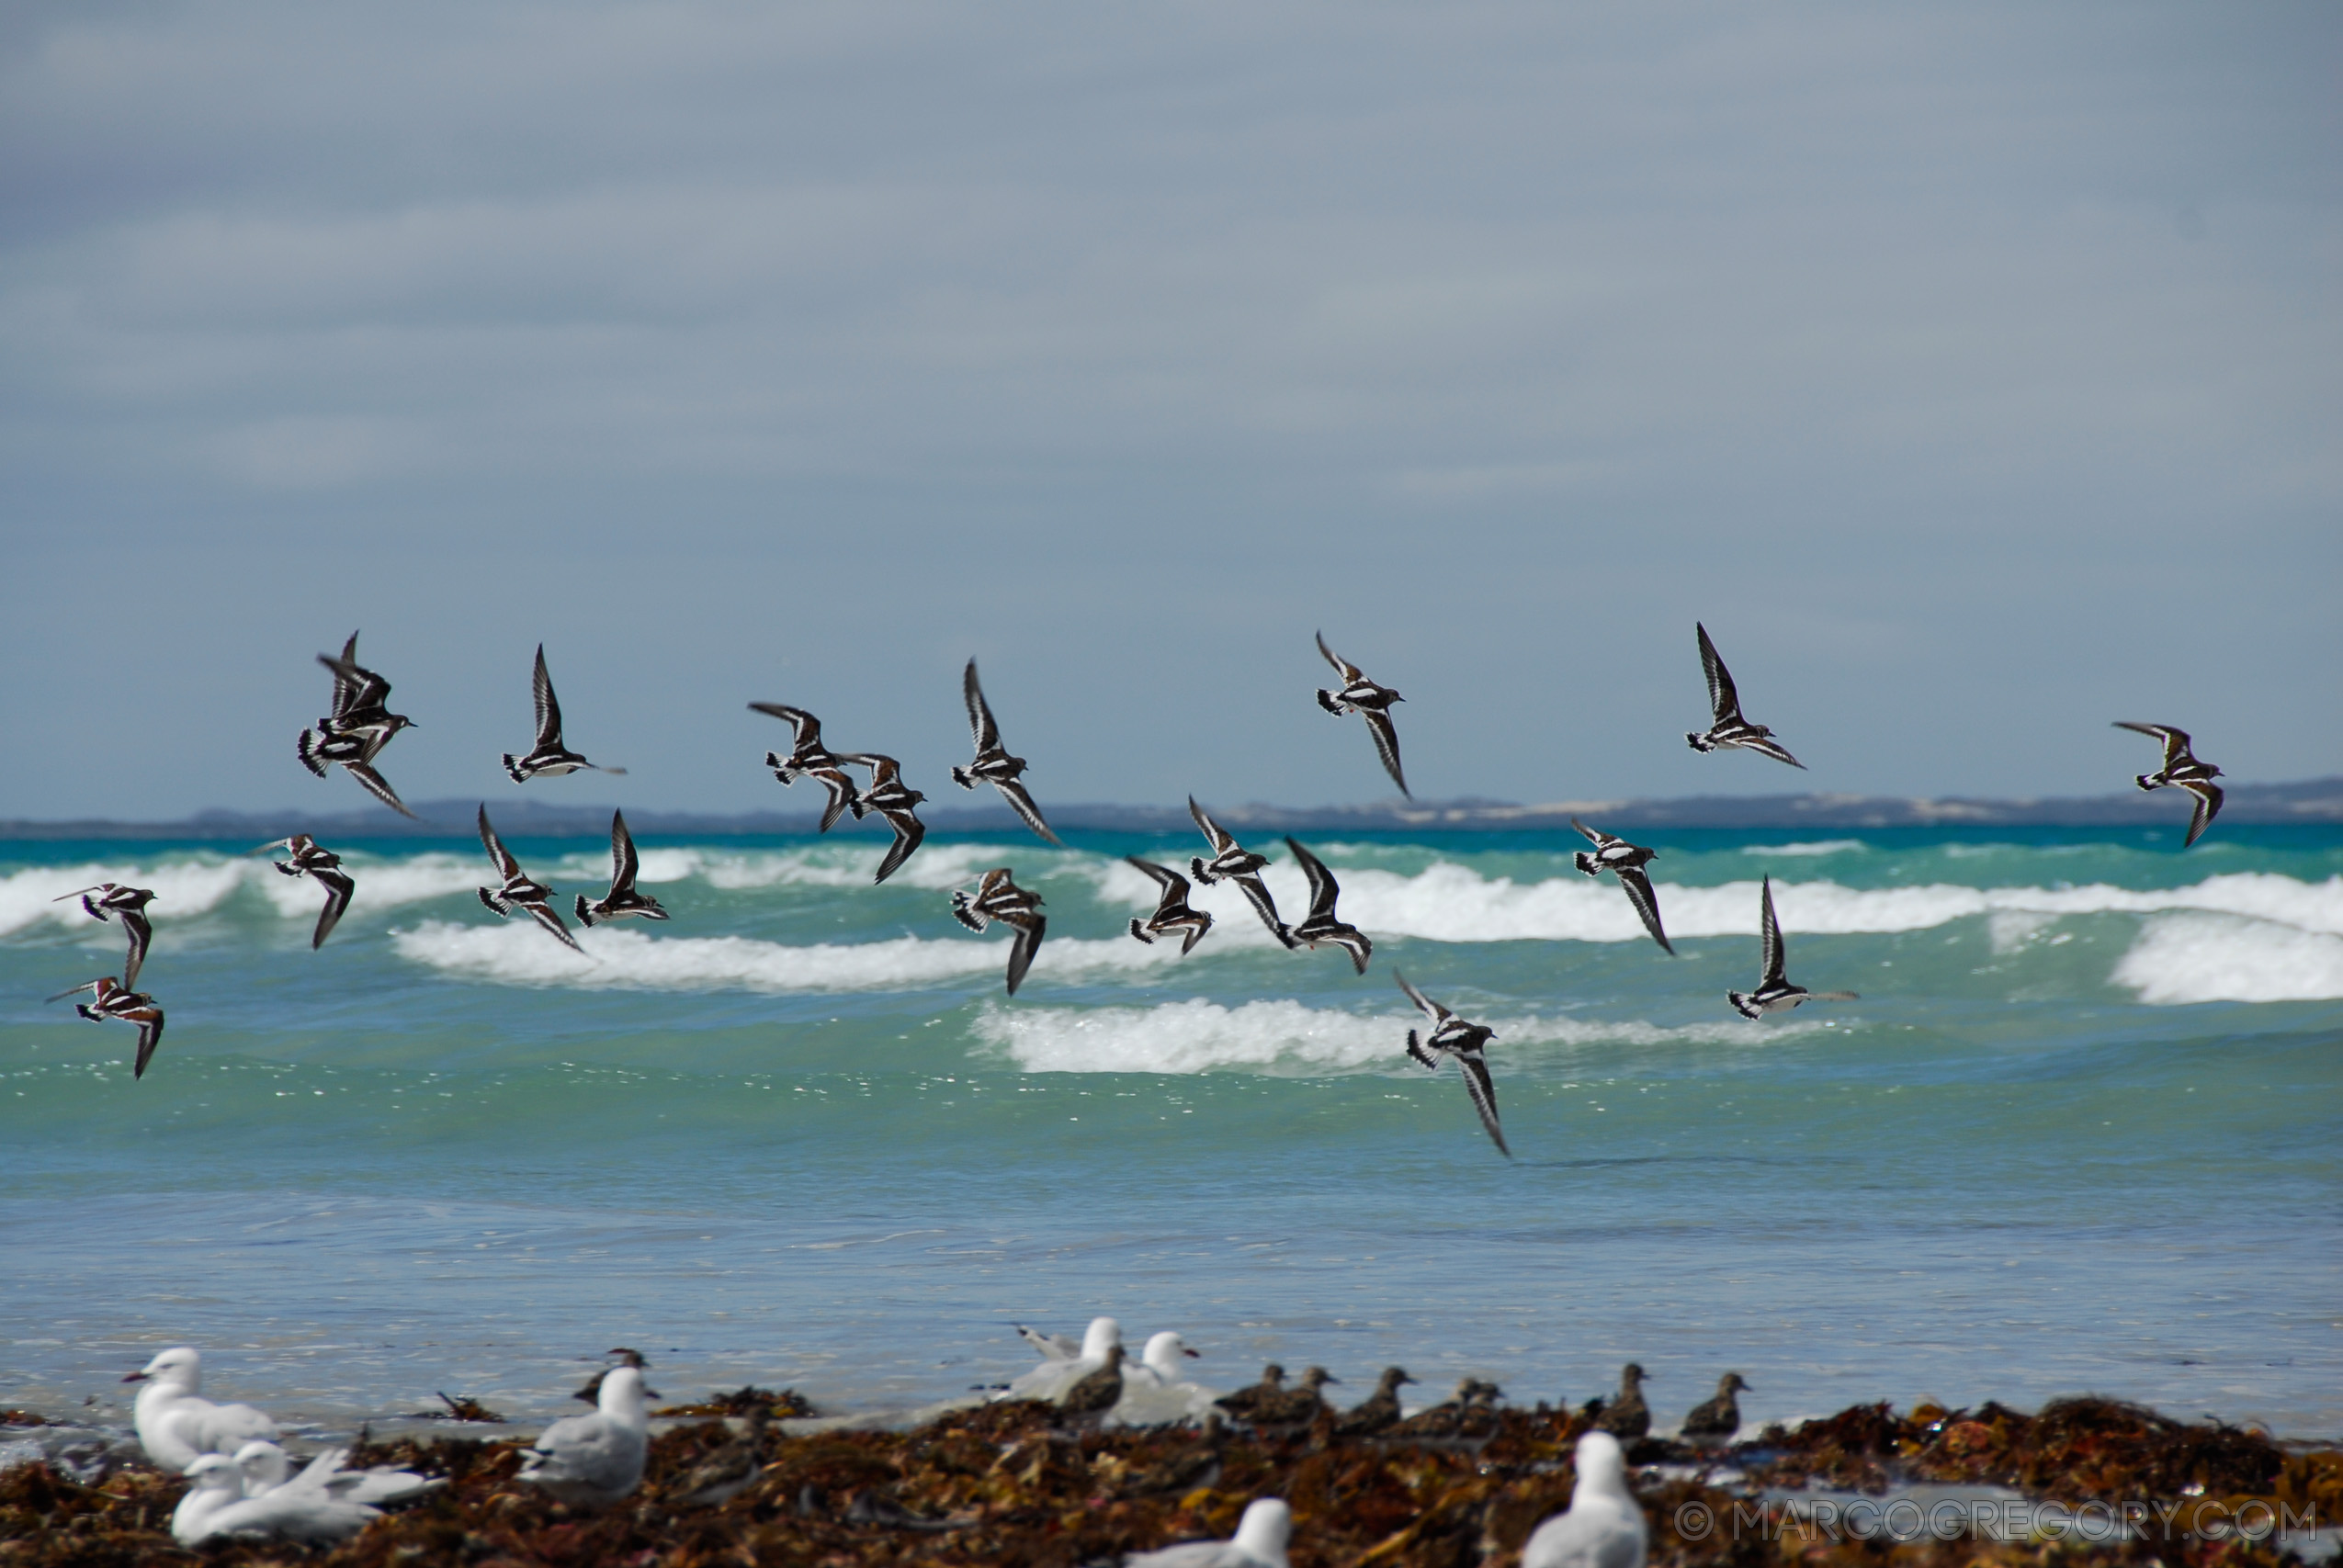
[[1386, 745], [1257, 893], [803, 725], [908, 832], [1013, 792], [1029, 927], [498, 855], [377, 787], [1594, 836], [1769, 940], [2209, 798], [338, 888], [1646, 903], [1214, 834], [1430, 1010], [980, 725], [2176, 741], [1765, 746], [546, 917], [842, 794], [1348, 670], [1484, 1092], [149, 1037], [548, 708], [1724, 702], [344, 669], [1355, 942], [1324, 890], [624, 861], [134, 922]]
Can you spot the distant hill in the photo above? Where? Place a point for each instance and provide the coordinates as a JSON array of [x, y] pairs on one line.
[[2314, 800]]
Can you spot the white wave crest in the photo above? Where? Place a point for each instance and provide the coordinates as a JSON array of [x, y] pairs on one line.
[[1825, 847], [1197, 1036], [2180, 959], [27, 897]]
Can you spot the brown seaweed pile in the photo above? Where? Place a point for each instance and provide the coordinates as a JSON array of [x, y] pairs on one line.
[[1004, 1484]]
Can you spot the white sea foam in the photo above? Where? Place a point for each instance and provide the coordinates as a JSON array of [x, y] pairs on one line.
[[1196, 1036], [2221, 958], [180, 890], [1826, 847]]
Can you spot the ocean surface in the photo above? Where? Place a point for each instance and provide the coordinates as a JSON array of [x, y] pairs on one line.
[[2083, 1131]]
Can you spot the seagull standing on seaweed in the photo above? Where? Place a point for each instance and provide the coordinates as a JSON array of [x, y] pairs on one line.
[[549, 758], [993, 765], [1625, 862], [1728, 729], [1232, 862], [1321, 924], [888, 794], [1370, 702], [2182, 770], [1452, 1036], [997, 897], [323, 867], [622, 900], [809, 758], [1171, 911], [1774, 993], [358, 730], [518, 892], [130, 903], [111, 998]]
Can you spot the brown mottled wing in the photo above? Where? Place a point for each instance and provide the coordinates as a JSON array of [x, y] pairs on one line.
[[2176, 741], [802, 725]]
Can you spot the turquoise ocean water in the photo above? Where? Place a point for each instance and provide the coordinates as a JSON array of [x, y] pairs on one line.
[[2083, 1131]]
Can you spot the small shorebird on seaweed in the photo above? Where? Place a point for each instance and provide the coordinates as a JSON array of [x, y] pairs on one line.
[[1370, 702], [1171, 911], [1627, 1415], [1774, 993], [2182, 770], [1321, 924], [518, 892], [1245, 1400], [999, 899], [1625, 862], [1378, 1412], [323, 867], [358, 730], [622, 900], [111, 998], [549, 758], [1715, 1420], [1728, 730], [993, 765], [130, 903], [893, 800], [1452, 1036], [1232, 862], [809, 758]]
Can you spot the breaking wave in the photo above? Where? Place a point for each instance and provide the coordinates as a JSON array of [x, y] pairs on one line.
[[2180, 959]]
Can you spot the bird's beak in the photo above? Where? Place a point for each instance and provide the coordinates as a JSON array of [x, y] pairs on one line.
[[134, 1377], [1185, 1351]]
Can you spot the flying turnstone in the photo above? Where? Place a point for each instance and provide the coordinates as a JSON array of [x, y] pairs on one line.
[[622, 899], [1232, 862], [323, 867], [1452, 1036], [548, 757], [111, 998], [1171, 911], [998, 898], [1730, 730], [1321, 924], [1625, 862], [358, 730], [809, 758], [993, 765], [1627, 1415], [130, 903], [1774, 993], [518, 892], [1715, 1420], [2182, 770], [1370, 702], [889, 796]]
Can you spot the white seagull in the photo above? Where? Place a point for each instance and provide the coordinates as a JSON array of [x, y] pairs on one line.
[[1058, 1373], [176, 1425], [593, 1460], [1604, 1527], [267, 1467], [1259, 1543]]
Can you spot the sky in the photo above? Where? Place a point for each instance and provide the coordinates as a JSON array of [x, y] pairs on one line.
[[1971, 372]]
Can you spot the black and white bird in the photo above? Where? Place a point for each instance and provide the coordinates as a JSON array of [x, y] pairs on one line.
[[1321, 924], [997, 897], [1370, 702], [1774, 993], [549, 758], [1171, 911], [1453, 1036], [888, 794], [2182, 770], [518, 892], [809, 758], [130, 903], [1728, 729], [1232, 862], [622, 900], [323, 867], [993, 765], [111, 998], [358, 730], [1625, 862]]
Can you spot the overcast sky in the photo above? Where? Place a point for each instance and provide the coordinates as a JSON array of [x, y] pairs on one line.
[[1973, 372]]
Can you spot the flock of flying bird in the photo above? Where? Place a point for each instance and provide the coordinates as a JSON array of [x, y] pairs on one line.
[[353, 735]]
